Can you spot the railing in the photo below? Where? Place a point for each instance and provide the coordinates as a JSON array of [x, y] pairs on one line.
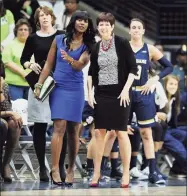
[[125, 10], [164, 19]]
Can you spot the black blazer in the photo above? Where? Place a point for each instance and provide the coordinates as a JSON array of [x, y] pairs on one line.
[[126, 61]]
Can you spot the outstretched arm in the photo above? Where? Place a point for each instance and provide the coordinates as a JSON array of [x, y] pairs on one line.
[[76, 64]]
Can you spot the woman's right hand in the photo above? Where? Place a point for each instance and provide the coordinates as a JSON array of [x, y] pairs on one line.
[[17, 119], [37, 92], [35, 67], [91, 100]]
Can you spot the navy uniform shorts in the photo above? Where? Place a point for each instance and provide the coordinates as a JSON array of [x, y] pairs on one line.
[[87, 113], [144, 108]]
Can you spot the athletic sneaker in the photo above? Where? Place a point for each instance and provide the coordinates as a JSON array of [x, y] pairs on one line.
[[89, 174], [163, 175], [155, 178], [145, 171], [135, 173]]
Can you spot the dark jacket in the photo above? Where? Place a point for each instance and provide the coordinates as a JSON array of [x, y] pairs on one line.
[[173, 121], [126, 62]]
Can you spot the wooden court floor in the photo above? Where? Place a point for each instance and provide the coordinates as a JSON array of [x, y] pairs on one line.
[[174, 187]]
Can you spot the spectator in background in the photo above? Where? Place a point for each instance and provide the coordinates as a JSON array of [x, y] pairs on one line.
[[180, 69], [175, 138], [26, 9], [7, 26], [70, 7], [58, 8], [15, 74], [10, 129], [182, 118]]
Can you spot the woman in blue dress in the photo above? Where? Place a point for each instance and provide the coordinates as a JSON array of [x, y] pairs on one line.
[[71, 53]]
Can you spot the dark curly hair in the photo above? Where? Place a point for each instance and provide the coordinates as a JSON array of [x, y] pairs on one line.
[[2, 9], [88, 36], [2, 69]]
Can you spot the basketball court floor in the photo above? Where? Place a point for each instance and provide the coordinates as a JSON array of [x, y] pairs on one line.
[[174, 187]]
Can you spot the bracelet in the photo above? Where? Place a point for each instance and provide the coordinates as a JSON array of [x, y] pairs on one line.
[[72, 61], [38, 85]]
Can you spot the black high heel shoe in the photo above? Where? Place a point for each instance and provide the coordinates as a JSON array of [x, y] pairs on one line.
[[69, 184], [54, 182]]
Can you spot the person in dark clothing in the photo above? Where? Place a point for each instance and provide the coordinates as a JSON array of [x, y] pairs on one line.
[[10, 129], [23, 9], [39, 44], [176, 138]]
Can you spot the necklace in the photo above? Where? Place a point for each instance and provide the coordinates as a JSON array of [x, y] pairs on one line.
[[76, 42], [106, 46]]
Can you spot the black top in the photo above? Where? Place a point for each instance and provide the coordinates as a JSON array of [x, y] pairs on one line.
[[126, 65], [39, 46]]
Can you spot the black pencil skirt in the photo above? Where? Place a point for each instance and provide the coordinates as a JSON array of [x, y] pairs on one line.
[[109, 114]]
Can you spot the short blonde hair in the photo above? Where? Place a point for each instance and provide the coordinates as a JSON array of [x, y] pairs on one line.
[[46, 10]]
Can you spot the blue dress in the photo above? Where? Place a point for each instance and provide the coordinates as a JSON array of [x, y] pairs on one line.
[[67, 98]]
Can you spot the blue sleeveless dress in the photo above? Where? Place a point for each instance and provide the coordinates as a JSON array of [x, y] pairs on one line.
[[67, 98]]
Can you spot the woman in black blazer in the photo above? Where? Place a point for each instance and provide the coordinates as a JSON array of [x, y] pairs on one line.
[[112, 71]]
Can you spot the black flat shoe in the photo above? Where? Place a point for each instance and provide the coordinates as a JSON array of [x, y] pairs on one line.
[[1, 179], [44, 176], [7, 179]]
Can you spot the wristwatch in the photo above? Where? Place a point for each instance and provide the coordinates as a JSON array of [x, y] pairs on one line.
[[1, 92]]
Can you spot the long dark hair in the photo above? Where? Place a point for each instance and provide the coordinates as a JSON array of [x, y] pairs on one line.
[[2, 9], [89, 34], [66, 11], [2, 69]]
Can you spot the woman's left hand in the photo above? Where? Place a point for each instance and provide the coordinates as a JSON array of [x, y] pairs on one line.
[[124, 98]]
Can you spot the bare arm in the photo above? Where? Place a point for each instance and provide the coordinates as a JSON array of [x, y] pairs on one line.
[[2, 97], [154, 53], [89, 84], [15, 68], [49, 63], [5, 114], [129, 82]]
